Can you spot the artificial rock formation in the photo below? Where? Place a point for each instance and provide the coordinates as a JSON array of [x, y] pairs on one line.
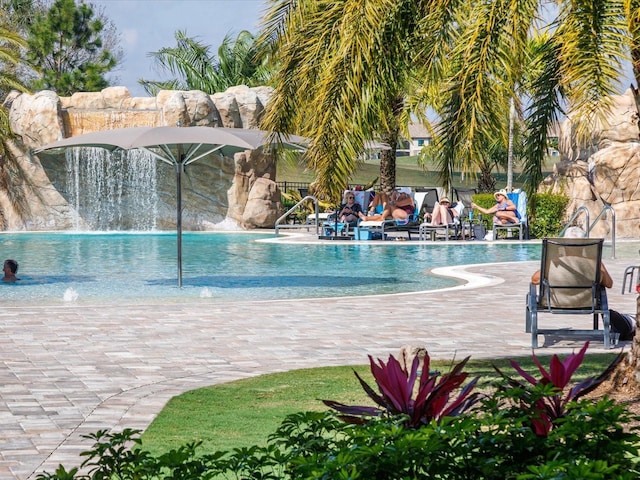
[[604, 173], [240, 191]]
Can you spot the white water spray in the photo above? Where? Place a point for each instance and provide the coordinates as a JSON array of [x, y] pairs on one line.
[[70, 295], [112, 191]]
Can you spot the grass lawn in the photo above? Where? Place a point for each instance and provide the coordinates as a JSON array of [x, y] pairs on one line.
[[408, 173], [246, 412]]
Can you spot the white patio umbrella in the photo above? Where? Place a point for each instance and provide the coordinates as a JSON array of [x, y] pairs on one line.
[[178, 146]]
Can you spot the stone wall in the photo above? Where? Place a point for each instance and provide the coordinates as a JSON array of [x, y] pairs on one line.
[[603, 171], [239, 192]]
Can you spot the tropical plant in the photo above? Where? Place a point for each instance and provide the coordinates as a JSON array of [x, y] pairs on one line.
[[65, 43], [353, 70], [433, 396], [13, 179], [590, 439], [240, 61], [548, 405], [345, 70]]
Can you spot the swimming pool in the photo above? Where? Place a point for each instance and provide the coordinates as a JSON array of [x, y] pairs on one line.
[[56, 268]]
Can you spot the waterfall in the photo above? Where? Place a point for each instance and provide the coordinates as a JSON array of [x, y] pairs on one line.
[[112, 191]]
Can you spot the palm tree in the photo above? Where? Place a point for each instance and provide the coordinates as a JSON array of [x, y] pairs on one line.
[[346, 69], [352, 70], [239, 62], [564, 61], [13, 180]]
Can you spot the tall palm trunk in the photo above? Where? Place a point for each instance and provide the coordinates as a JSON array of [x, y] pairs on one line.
[[388, 161]]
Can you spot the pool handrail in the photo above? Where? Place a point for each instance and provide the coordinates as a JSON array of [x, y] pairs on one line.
[[292, 209]]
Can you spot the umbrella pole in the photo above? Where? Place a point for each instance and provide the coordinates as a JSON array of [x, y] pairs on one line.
[[179, 171]]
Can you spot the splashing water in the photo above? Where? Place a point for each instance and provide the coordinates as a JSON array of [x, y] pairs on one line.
[[70, 295], [205, 293]]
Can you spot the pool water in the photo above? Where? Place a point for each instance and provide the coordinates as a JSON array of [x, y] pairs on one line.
[[136, 268]]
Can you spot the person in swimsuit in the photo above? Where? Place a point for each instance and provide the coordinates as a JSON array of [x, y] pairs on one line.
[[443, 212], [399, 206], [504, 210]]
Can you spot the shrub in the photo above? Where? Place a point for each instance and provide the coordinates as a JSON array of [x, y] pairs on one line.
[[549, 214], [433, 399], [532, 429]]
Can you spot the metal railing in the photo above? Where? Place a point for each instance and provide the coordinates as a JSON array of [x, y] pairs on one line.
[[293, 209], [580, 210], [608, 208], [589, 226]]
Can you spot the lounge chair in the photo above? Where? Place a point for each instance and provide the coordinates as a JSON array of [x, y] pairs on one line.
[[570, 271], [455, 228], [378, 229], [522, 225]]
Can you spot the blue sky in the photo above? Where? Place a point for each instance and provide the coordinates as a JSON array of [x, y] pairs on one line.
[[148, 25]]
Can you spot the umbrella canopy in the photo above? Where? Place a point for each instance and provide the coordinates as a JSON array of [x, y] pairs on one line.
[[178, 146]]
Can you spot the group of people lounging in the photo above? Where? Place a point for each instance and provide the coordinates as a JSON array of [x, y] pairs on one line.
[[400, 206], [397, 206]]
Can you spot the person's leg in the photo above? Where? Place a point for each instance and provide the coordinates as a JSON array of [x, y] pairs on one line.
[[435, 215], [505, 216], [373, 218], [399, 214]]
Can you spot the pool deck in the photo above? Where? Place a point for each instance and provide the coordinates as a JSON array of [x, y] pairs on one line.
[[68, 371]]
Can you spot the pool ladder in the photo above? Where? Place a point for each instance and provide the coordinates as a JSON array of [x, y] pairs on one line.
[[298, 226], [601, 216]]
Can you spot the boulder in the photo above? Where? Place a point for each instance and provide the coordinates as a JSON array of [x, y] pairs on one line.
[[228, 109], [263, 204]]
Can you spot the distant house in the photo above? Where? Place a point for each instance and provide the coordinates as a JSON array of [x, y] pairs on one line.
[[420, 137]]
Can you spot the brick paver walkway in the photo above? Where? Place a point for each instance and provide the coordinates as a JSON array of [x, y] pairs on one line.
[[72, 370]]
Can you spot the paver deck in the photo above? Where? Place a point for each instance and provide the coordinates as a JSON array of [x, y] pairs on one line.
[[71, 370]]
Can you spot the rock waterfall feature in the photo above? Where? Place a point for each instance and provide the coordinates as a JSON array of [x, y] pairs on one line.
[[89, 189]]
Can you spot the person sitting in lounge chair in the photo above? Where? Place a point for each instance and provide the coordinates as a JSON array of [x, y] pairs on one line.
[[504, 210], [350, 209], [398, 206], [605, 278], [378, 203], [444, 212]]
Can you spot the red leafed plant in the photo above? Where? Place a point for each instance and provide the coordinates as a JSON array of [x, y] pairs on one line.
[[435, 397], [547, 407]]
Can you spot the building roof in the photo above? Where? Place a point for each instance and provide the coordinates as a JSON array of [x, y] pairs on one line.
[[417, 130]]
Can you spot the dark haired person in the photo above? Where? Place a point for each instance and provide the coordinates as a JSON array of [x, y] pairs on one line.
[[10, 269]]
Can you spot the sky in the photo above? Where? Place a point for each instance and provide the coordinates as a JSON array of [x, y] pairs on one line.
[[149, 25]]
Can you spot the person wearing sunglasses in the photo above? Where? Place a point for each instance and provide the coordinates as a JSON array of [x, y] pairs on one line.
[[349, 209], [444, 212]]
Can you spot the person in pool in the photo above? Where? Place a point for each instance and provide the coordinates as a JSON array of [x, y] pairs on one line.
[[504, 210], [10, 268]]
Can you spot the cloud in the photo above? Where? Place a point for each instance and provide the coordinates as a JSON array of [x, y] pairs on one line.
[[130, 37]]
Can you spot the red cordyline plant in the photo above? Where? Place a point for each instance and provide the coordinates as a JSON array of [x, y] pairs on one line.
[[434, 397], [553, 406]]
